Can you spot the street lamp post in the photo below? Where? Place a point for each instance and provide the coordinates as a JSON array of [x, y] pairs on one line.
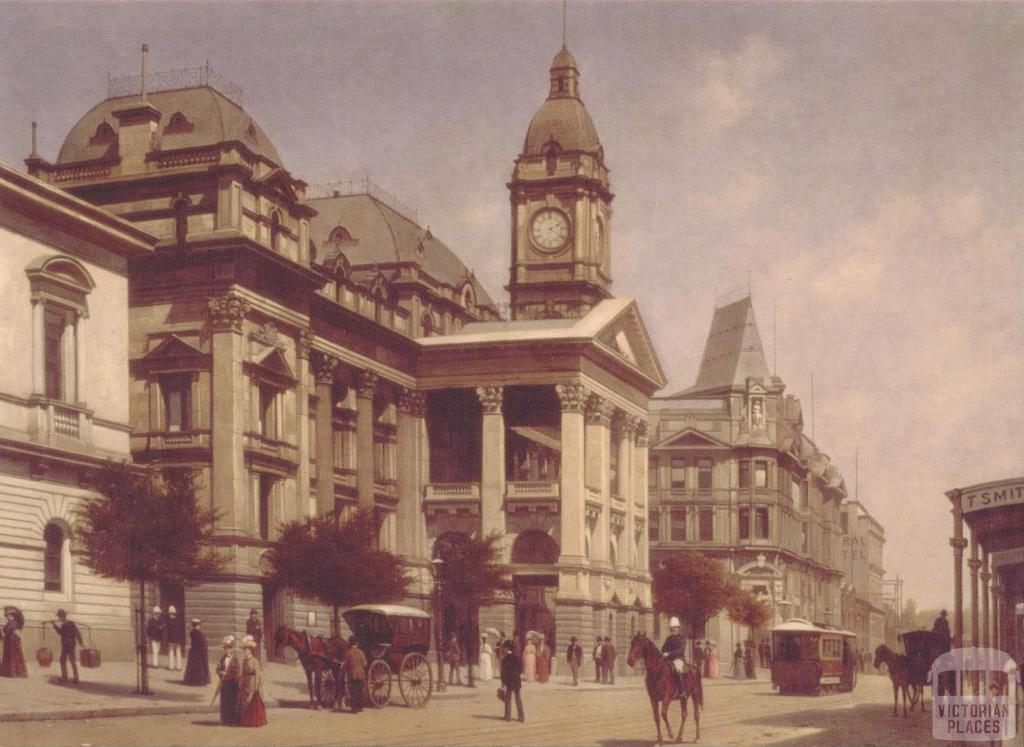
[[437, 566]]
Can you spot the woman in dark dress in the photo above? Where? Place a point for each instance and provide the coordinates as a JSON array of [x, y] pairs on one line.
[[14, 660], [197, 670], [229, 672], [251, 711]]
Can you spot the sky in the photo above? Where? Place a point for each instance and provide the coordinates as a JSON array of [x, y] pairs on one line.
[[858, 166]]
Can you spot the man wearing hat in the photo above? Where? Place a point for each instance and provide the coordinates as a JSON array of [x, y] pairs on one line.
[[155, 634], [511, 679], [229, 671], [355, 672], [175, 639], [941, 625], [69, 638], [197, 670], [574, 656], [254, 628], [674, 650]]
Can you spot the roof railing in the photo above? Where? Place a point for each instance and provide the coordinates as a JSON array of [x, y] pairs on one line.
[[172, 80], [362, 185]]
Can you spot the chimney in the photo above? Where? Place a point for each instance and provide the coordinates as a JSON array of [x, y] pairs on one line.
[[138, 123], [145, 56], [35, 152]]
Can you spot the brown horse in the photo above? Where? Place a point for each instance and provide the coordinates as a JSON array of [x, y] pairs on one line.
[[661, 685], [901, 674], [317, 654]]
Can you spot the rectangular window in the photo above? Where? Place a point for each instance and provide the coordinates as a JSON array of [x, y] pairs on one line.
[[53, 352], [677, 527], [266, 494], [705, 475], [177, 392], [613, 468], [652, 475], [744, 523], [804, 543], [844, 522], [744, 473], [804, 494], [760, 474], [268, 411], [378, 460], [678, 475], [706, 524], [653, 533], [761, 523]]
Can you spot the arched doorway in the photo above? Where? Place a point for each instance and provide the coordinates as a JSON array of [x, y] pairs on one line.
[[535, 589]]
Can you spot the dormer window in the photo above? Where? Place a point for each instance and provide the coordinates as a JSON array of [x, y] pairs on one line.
[[178, 123], [340, 234], [468, 297], [104, 135]]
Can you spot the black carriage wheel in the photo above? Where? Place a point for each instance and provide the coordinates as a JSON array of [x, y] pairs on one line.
[[328, 691], [378, 683], [415, 680]]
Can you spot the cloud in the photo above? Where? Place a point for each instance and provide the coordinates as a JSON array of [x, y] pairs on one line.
[[731, 86], [744, 192]]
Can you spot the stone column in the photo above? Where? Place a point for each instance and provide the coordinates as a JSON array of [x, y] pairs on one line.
[[492, 469], [640, 456], [324, 369], [628, 488], [973, 564], [597, 453], [958, 543], [573, 398], [38, 347], [81, 367], [986, 590], [303, 346], [366, 387], [230, 486], [412, 527]]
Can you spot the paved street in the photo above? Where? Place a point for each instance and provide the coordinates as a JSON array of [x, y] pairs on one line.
[[736, 714]]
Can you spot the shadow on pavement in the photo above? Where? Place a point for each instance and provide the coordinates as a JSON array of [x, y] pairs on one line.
[[208, 723], [126, 691], [866, 723]]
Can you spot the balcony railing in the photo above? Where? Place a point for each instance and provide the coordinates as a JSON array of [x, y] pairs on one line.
[[66, 421], [171, 440], [452, 491], [385, 487], [515, 490], [272, 448]]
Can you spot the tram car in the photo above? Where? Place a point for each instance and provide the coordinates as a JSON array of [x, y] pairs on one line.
[[811, 658]]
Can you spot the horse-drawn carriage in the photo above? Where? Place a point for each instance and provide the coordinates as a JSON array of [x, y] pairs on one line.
[[923, 647], [812, 658]]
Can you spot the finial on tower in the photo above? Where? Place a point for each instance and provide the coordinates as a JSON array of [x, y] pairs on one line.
[[564, 3], [34, 153], [145, 55]]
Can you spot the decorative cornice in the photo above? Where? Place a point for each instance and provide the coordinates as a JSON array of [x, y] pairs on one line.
[[366, 384], [573, 397], [599, 410], [324, 367], [267, 335], [412, 402], [227, 312], [491, 399]]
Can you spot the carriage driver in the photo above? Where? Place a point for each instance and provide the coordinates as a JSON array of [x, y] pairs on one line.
[[674, 650]]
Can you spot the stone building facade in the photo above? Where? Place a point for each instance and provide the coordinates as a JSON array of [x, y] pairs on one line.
[[861, 560], [307, 354], [63, 399], [733, 475]]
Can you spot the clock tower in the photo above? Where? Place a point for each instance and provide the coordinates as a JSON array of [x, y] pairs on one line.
[[561, 207]]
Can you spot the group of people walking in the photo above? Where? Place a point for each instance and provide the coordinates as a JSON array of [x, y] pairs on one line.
[[13, 661], [240, 687]]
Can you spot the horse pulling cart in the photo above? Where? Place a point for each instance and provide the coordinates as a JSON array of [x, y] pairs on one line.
[[923, 647]]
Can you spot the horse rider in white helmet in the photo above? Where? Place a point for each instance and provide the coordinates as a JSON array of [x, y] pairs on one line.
[[674, 651]]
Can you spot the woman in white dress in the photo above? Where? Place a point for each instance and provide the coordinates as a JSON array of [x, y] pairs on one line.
[[486, 665], [530, 660]]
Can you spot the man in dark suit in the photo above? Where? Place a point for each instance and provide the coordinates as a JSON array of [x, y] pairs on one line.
[[254, 627], [355, 671], [512, 679], [574, 657], [609, 653], [69, 638]]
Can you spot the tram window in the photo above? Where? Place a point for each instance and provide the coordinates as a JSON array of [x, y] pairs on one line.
[[809, 647]]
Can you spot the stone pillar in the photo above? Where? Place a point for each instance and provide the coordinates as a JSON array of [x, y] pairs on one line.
[[573, 398], [597, 453], [628, 487], [973, 564], [230, 487], [366, 387], [324, 369], [996, 612], [986, 591], [38, 347], [303, 345], [492, 469], [958, 543], [81, 366], [412, 527]]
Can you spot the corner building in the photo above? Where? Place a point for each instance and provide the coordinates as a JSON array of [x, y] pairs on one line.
[[307, 354]]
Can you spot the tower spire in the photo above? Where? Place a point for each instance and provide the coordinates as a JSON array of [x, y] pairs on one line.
[[564, 3]]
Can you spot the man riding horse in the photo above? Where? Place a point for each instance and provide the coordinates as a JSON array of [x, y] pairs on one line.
[[674, 650]]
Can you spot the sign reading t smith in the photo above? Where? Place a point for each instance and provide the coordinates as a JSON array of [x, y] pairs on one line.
[[992, 495]]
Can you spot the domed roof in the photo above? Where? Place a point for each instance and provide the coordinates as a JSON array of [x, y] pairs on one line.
[[203, 116], [563, 117]]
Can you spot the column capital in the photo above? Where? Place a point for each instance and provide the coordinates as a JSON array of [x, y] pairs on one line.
[[324, 367], [572, 397], [599, 411], [412, 402], [491, 399], [227, 312], [642, 428], [366, 384], [985, 574], [959, 544], [304, 342], [974, 564]]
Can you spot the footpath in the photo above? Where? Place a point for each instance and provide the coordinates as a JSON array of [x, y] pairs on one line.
[[109, 691]]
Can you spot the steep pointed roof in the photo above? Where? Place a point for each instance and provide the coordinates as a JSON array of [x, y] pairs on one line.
[[733, 351]]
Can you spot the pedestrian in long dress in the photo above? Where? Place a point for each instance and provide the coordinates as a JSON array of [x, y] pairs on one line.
[[14, 659], [714, 672], [486, 664], [229, 672], [737, 663], [543, 661], [251, 710], [197, 669], [70, 637], [530, 660], [511, 679], [748, 663]]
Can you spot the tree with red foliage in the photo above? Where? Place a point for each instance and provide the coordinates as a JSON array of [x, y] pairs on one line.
[[692, 587]]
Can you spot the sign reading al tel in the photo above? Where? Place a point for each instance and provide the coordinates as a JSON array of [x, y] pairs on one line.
[[992, 495]]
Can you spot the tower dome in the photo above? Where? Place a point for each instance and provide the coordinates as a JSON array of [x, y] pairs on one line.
[[562, 118]]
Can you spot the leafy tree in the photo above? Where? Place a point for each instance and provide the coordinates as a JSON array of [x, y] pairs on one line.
[[336, 563], [473, 576], [744, 608], [144, 526], [691, 586]]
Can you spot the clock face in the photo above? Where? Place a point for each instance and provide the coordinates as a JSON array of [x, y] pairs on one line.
[[550, 229]]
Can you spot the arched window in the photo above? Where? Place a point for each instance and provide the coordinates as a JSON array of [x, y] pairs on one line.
[[535, 547], [339, 234], [53, 560], [275, 231], [450, 544], [178, 123], [468, 296], [104, 134], [428, 324]]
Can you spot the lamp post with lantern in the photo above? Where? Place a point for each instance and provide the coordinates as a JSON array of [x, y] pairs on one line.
[[437, 568]]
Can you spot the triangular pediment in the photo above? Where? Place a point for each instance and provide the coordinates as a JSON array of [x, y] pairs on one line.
[[279, 180], [172, 347], [691, 438], [274, 362], [626, 337], [171, 354]]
